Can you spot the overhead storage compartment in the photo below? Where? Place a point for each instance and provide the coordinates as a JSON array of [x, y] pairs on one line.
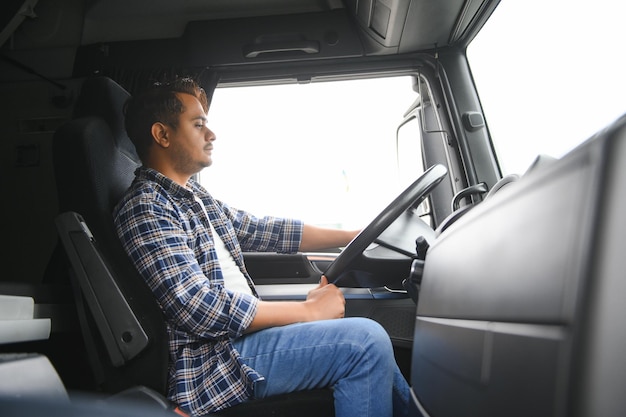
[[272, 39]]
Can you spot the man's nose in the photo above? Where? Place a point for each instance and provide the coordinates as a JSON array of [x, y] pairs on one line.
[[210, 136]]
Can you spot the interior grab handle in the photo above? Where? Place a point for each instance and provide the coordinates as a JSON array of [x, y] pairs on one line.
[[480, 188], [306, 46]]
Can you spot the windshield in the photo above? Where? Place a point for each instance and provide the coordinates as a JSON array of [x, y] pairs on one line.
[[549, 75], [322, 152]]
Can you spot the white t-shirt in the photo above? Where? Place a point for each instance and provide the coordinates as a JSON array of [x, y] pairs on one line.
[[234, 280]]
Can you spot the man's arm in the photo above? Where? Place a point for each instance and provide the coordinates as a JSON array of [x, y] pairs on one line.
[[317, 238], [158, 245], [322, 303]]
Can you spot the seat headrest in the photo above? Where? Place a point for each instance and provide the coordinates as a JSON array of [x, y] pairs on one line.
[[102, 97]]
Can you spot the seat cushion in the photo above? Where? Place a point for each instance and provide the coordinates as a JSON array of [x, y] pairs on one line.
[[313, 403]]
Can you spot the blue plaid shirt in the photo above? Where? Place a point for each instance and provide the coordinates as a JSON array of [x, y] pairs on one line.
[[164, 230]]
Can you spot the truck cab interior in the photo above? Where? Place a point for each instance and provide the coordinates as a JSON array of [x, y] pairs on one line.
[[501, 292]]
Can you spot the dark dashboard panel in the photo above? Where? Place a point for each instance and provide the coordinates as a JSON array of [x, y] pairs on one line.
[[519, 255], [515, 306]]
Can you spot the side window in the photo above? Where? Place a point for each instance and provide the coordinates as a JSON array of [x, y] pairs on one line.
[[409, 150], [323, 152], [547, 89], [410, 156]]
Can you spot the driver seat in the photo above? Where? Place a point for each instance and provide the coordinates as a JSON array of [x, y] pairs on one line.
[[94, 162]]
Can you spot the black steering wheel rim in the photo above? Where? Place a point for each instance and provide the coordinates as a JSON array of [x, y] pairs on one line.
[[413, 194]]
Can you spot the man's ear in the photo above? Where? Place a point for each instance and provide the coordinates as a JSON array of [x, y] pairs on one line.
[[159, 134]]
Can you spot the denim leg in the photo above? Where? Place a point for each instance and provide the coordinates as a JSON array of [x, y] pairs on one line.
[[354, 356]]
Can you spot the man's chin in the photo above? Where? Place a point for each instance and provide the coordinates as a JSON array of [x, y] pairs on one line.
[[202, 165]]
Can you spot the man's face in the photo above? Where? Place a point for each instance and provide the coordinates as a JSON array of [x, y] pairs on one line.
[[192, 141]]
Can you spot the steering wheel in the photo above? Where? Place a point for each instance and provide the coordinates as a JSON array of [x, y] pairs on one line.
[[414, 194]]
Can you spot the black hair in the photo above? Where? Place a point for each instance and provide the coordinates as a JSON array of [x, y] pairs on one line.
[[158, 103]]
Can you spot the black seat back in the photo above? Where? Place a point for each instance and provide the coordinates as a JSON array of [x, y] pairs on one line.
[[94, 164]]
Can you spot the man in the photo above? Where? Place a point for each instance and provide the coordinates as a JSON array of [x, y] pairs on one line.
[[227, 345]]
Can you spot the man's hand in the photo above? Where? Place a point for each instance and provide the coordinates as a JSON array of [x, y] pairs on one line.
[[326, 301], [322, 303]]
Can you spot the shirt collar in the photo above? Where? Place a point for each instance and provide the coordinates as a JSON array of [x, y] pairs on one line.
[[173, 188]]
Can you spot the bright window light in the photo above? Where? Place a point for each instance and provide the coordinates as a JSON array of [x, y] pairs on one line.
[[321, 152], [549, 80]]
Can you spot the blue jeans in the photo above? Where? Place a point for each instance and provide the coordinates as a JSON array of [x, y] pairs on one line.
[[353, 356]]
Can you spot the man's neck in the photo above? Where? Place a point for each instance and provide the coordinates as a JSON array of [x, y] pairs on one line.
[[168, 171]]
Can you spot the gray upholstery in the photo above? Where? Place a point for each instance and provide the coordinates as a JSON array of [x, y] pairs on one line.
[[94, 164]]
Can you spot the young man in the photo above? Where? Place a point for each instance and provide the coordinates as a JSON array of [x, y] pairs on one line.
[[227, 345]]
